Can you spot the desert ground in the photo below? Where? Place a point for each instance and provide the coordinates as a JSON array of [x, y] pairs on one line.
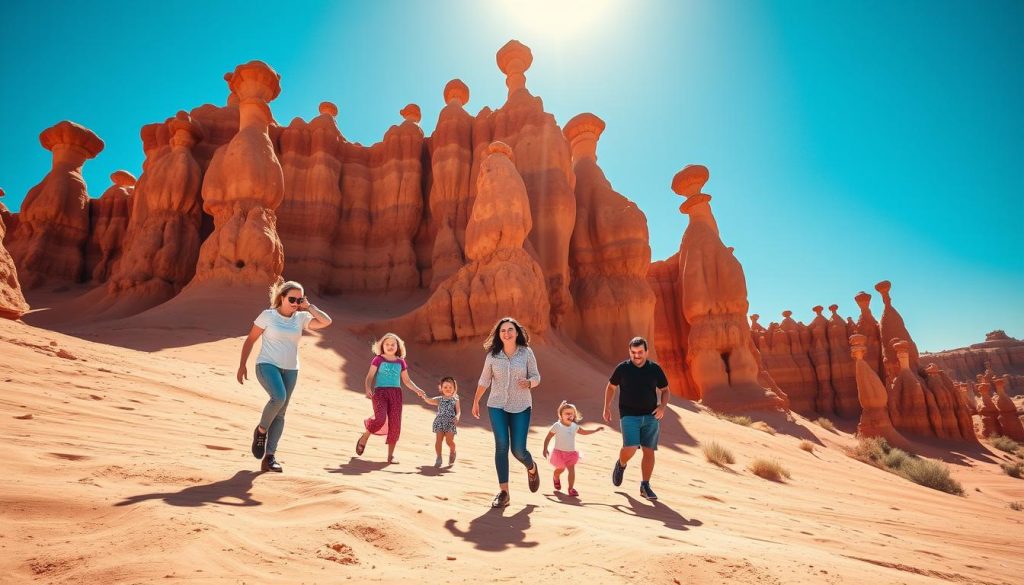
[[127, 461]]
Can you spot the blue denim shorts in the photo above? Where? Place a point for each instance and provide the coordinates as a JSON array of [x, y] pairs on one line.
[[640, 431]]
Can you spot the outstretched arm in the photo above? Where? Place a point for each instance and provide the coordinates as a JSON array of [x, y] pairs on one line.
[[584, 431], [428, 400], [412, 385], [254, 334]]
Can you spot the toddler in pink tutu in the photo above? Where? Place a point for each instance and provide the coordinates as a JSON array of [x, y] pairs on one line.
[[565, 456]]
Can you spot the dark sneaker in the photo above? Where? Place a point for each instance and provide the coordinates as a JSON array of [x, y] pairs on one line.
[[617, 473], [271, 464], [647, 492], [501, 500], [259, 443], [533, 478]]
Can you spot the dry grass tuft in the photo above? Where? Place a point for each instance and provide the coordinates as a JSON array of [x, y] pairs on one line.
[[717, 454], [807, 446], [763, 426], [739, 420], [826, 424], [1004, 444], [769, 469], [1017, 506], [877, 451], [1013, 469]]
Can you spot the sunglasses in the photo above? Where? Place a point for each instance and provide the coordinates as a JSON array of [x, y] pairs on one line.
[[296, 300]]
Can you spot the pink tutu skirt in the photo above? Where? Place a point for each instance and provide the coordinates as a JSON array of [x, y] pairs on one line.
[[561, 459]]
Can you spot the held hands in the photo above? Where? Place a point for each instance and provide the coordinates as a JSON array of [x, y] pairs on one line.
[[243, 374]]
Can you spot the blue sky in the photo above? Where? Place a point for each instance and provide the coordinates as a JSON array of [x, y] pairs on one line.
[[848, 142]]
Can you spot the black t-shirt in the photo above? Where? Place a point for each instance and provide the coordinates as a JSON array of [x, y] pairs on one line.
[[638, 387]]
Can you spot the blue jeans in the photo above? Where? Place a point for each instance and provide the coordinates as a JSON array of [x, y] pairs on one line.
[[279, 384], [509, 427]]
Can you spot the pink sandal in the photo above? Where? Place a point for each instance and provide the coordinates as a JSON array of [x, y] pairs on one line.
[[573, 493], [558, 484]]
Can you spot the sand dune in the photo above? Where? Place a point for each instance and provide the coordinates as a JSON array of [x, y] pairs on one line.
[[128, 462]]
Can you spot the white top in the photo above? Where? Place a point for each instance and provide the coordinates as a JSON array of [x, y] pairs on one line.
[[281, 337], [502, 374], [565, 436]]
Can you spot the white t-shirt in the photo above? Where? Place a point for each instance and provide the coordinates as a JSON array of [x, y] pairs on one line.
[[565, 436], [281, 337]]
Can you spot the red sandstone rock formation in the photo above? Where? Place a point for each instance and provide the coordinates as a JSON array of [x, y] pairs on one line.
[[988, 411], [53, 224], [10, 220], [12, 301], [162, 241], [820, 359], [868, 327], [609, 253], [1009, 423], [711, 294], [956, 421], [543, 159], [451, 167], [999, 352], [242, 187], [108, 222], [873, 398], [307, 220], [893, 328], [843, 370], [381, 210], [912, 407], [501, 278]]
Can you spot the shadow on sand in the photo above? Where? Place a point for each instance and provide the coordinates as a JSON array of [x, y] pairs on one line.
[[494, 531], [234, 491]]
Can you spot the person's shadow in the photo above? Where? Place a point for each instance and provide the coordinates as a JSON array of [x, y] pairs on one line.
[[356, 466], [493, 531], [234, 491], [655, 510]]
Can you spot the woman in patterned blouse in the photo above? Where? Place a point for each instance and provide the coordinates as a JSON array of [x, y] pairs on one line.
[[510, 371]]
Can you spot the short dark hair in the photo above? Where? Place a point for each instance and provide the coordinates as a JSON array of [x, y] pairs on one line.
[[637, 342]]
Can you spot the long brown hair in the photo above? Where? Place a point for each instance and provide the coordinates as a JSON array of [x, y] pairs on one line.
[[493, 341]]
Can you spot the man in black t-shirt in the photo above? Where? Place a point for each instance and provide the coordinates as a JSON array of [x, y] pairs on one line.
[[643, 396]]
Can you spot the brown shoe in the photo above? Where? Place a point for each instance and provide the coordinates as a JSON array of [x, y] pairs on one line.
[[533, 478]]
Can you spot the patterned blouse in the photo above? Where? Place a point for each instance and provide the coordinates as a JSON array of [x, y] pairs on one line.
[[502, 373]]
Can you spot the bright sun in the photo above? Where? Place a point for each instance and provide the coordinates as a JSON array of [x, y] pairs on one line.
[[557, 18]]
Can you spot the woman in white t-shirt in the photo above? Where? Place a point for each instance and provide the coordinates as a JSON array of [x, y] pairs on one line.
[[277, 366]]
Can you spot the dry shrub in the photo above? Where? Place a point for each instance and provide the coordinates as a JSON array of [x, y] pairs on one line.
[[763, 426], [1004, 444], [769, 469], [826, 424], [1017, 506], [1013, 469], [739, 420], [932, 474], [717, 454], [807, 446]]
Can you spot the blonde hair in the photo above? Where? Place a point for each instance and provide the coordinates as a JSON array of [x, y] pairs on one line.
[[280, 288], [378, 346], [566, 404]]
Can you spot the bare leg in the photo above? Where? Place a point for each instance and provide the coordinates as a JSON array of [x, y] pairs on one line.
[[572, 475], [391, 453], [438, 443], [625, 454], [647, 463]]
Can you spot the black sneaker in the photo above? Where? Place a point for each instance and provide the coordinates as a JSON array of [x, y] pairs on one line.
[[647, 492], [271, 464], [259, 443], [501, 500], [617, 473], [533, 478]]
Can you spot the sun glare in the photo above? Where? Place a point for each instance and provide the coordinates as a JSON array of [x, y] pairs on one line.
[[559, 19]]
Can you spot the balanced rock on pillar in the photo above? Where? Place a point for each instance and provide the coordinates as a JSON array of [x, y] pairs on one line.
[[713, 301], [243, 187], [53, 224], [609, 253], [874, 416]]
